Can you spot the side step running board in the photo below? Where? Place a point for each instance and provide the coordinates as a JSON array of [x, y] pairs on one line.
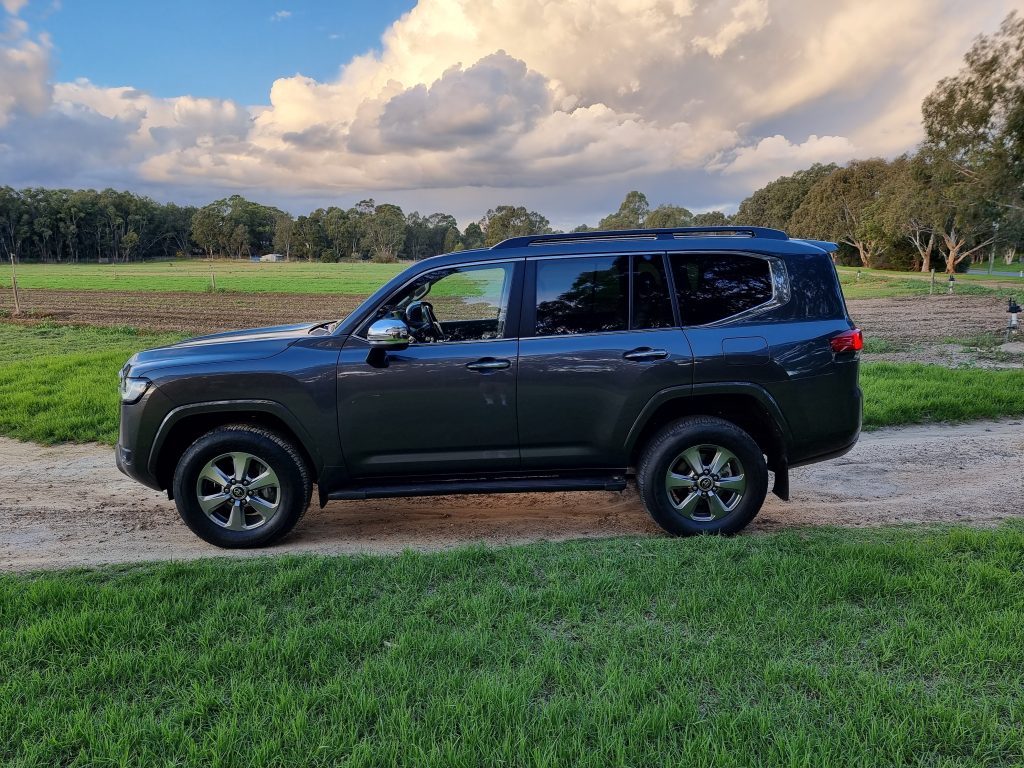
[[510, 485]]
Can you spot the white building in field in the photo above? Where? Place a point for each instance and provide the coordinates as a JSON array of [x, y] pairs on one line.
[[272, 257]]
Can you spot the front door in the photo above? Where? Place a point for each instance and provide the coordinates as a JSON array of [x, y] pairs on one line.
[[599, 341], [446, 404]]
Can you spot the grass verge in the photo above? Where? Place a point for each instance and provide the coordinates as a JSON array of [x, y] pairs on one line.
[[820, 648], [58, 384]]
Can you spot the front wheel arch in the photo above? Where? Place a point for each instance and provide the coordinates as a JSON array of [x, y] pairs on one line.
[[183, 426]]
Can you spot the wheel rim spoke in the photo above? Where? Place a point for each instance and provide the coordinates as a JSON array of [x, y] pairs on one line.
[[240, 462], [716, 506], [236, 519], [266, 479], [689, 504], [722, 457], [263, 507], [209, 503], [215, 475], [736, 484], [674, 481], [692, 456]]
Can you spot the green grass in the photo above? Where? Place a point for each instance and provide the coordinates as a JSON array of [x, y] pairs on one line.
[[59, 384], [912, 393], [821, 648], [194, 275], [878, 284]]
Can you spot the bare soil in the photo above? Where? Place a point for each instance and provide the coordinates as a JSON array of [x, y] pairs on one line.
[[180, 311], [68, 506], [918, 319]]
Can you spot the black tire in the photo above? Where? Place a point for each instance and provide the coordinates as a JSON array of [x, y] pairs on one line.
[[294, 485], [663, 453]]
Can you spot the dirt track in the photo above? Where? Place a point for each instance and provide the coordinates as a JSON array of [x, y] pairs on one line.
[[68, 505]]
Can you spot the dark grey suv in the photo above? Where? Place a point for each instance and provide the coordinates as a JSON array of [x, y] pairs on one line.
[[695, 360]]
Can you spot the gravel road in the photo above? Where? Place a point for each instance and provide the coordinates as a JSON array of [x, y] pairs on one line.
[[68, 506]]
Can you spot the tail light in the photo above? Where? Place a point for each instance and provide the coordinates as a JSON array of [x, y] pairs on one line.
[[848, 341]]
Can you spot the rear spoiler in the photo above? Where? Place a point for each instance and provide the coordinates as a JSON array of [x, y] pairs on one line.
[[824, 245]]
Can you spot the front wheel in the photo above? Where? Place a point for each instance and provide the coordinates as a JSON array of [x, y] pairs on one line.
[[241, 486], [702, 475]]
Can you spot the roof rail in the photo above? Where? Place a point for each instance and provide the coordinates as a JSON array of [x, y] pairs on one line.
[[668, 233]]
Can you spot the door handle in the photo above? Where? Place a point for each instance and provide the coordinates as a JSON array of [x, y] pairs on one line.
[[646, 353], [489, 364]]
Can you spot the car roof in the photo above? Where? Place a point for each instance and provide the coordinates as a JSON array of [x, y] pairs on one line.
[[728, 238]]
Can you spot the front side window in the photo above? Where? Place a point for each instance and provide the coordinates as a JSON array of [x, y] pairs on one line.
[[582, 295], [714, 286], [454, 304]]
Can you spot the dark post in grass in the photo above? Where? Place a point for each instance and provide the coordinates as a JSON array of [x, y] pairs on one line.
[[14, 286]]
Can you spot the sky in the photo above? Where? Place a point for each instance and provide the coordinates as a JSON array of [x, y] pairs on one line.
[[461, 105]]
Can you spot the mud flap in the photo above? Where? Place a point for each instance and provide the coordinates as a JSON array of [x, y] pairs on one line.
[[781, 487]]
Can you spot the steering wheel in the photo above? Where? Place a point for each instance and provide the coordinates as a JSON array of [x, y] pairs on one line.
[[423, 324]]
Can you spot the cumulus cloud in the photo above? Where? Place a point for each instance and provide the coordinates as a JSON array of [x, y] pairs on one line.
[[531, 95]]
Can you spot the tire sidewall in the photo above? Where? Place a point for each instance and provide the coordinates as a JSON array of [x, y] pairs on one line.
[[676, 439], [294, 496]]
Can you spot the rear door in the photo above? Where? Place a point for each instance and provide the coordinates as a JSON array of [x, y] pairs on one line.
[[598, 340]]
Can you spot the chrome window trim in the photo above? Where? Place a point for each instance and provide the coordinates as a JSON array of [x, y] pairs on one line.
[[407, 283]]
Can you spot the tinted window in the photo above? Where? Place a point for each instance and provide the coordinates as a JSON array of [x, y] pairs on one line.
[[652, 306], [582, 295], [713, 287]]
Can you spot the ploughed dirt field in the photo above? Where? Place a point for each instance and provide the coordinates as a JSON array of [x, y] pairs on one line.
[[68, 506], [180, 311], [912, 320]]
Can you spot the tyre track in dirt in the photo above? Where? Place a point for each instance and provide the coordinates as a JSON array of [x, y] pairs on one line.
[[67, 506]]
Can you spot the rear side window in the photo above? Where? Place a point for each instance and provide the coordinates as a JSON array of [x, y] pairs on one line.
[[582, 295], [712, 287]]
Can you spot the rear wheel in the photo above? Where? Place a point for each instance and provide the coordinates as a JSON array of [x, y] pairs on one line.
[[241, 486], [702, 475]]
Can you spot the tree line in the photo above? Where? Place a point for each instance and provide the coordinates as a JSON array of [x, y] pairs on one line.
[[955, 200]]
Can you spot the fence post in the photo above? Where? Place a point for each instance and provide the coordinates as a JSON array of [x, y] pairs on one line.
[[13, 285], [931, 288]]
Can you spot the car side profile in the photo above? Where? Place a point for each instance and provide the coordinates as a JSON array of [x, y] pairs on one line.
[[693, 360]]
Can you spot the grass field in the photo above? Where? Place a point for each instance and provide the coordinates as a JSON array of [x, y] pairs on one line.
[[361, 279], [845, 648], [194, 275], [59, 384]]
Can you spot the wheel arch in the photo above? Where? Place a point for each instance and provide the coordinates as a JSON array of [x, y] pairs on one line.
[[185, 424], [748, 406]]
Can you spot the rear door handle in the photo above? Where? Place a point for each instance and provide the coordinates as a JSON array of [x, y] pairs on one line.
[[489, 364], [646, 353]]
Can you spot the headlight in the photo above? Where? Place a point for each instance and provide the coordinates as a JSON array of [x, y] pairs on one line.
[[132, 389]]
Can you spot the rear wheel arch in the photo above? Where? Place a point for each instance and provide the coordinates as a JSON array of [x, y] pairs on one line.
[[749, 408], [182, 427]]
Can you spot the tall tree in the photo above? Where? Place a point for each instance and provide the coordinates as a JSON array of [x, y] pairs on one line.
[[775, 203], [842, 207], [668, 216], [384, 232], [507, 221], [631, 214]]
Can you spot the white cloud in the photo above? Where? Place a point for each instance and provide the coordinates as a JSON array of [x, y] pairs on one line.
[[538, 94], [13, 7], [281, 15]]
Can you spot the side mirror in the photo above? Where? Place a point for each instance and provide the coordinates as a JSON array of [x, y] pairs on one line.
[[389, 333]]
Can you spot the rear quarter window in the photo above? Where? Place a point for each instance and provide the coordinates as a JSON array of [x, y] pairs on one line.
[[712, 287]]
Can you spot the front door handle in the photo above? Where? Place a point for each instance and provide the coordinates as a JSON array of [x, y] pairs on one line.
[[646, 353], [489, 364]]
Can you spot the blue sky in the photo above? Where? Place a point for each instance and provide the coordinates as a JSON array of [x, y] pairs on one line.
[[462, 105], [214, 48]]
